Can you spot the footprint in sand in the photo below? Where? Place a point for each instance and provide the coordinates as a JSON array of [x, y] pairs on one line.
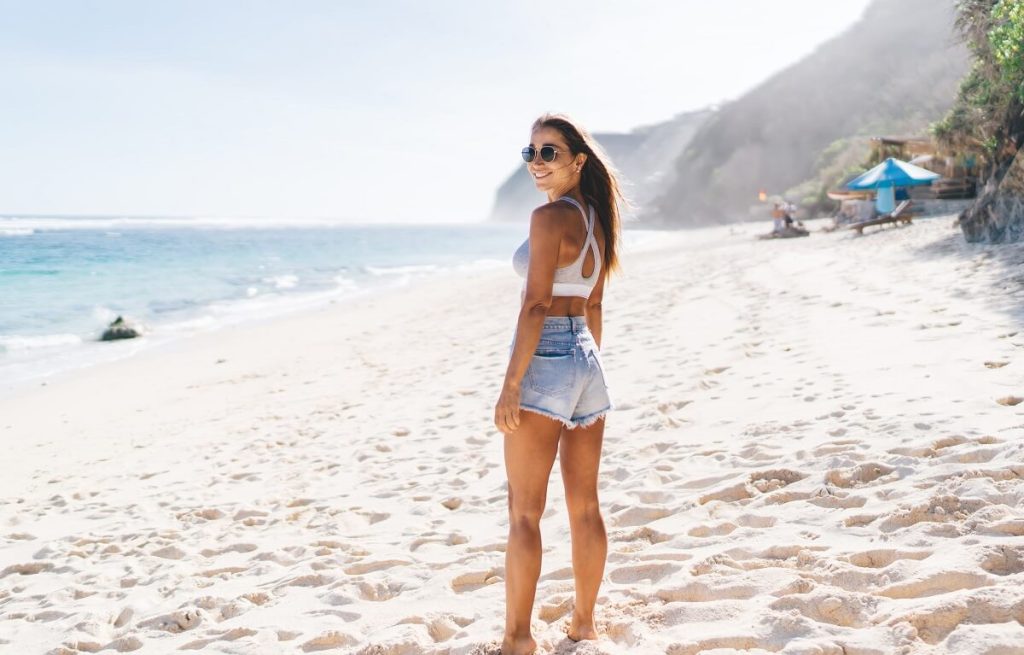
[[973, 456], [932, 623], [1003, 559], [939, 509], [29, 568], [124, 644], [644, 533], [670, 406], [378, 591], [728, 494], [650, 572], [178, 621], [933, 449], [209, 514], [170, 552], [640, 515], [832, 447], [440, 627], [850, 610], [883, 557], [858, 476], [835, 499], [474, 580], [329, 640], [361, 568], [699, 592], [555, 607], [717, 530], [234, 548], [936, 582], [772, 479]]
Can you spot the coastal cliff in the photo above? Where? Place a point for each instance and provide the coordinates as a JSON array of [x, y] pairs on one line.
[[893, 72]]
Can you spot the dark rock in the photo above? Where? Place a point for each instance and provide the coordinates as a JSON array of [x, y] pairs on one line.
[[120, 329], [998, 214]]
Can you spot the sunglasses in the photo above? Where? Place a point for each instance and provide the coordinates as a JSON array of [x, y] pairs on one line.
[[547, 153]]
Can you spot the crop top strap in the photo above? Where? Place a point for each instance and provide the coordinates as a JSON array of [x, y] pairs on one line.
[[587, 224], [591, 243]]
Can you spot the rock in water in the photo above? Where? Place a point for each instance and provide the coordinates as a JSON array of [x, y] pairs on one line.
[[120, 329]]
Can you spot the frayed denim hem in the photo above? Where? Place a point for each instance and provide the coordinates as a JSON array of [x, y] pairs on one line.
[[581, 422], [590, 419], [543, 412]]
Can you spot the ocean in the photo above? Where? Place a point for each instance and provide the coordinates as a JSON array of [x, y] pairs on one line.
[[64, 279]]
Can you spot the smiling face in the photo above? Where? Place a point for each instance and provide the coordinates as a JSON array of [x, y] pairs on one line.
[[559, 174]]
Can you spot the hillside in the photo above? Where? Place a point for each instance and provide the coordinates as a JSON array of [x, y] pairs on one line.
[[893, 72]]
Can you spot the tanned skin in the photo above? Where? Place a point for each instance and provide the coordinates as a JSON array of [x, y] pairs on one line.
[[557, 234]]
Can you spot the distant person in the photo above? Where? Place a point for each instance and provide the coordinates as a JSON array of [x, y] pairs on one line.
[[778, 218], [555, 371]]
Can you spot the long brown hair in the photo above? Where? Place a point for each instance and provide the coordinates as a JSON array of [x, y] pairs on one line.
[[599, 182]]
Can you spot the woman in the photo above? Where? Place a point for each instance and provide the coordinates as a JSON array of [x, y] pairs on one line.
[[555, 372]]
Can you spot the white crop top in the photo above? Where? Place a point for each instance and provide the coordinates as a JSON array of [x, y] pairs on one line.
[[569, 280]]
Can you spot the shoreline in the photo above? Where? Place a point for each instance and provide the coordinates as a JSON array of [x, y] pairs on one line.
[[290, 307], [32, 365], [801, 426]]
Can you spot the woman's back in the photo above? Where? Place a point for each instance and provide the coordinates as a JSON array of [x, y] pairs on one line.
[[580, 275]]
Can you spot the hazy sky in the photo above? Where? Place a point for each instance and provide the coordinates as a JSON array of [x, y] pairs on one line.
[[367, 111]]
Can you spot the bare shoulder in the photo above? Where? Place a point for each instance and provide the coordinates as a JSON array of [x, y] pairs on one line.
[[552, 217]]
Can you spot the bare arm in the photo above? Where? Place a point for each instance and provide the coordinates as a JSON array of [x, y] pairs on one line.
[[545, 238]]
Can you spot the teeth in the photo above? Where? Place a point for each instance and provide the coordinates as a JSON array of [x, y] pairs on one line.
[[540, 175]]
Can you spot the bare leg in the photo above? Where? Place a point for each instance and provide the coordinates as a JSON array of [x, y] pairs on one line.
[[580, 458], [529, 455]]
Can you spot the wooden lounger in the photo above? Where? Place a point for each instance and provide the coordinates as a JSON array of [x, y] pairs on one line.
[[900, 215]]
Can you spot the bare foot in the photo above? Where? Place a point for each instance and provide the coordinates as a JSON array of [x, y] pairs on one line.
[[520, 646], [581, 629]]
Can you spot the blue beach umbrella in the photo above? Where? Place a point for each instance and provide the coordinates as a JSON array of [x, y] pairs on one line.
[[888, 175]]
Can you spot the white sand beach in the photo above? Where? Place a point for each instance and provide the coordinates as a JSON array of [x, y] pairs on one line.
[[817, 449]]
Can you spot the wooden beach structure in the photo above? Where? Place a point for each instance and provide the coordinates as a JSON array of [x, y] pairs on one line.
[[957, 184], [959, 176]]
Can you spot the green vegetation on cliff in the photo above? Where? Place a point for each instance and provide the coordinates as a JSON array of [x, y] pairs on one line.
[[988, 116], [989, 103]]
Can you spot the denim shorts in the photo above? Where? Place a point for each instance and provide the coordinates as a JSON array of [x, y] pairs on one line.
[[565, 380]]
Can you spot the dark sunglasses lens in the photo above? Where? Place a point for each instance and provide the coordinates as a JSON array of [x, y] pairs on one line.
[[529, 153], [547, 153]]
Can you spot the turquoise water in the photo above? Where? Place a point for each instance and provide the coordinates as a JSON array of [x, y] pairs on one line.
[[62, 280]]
